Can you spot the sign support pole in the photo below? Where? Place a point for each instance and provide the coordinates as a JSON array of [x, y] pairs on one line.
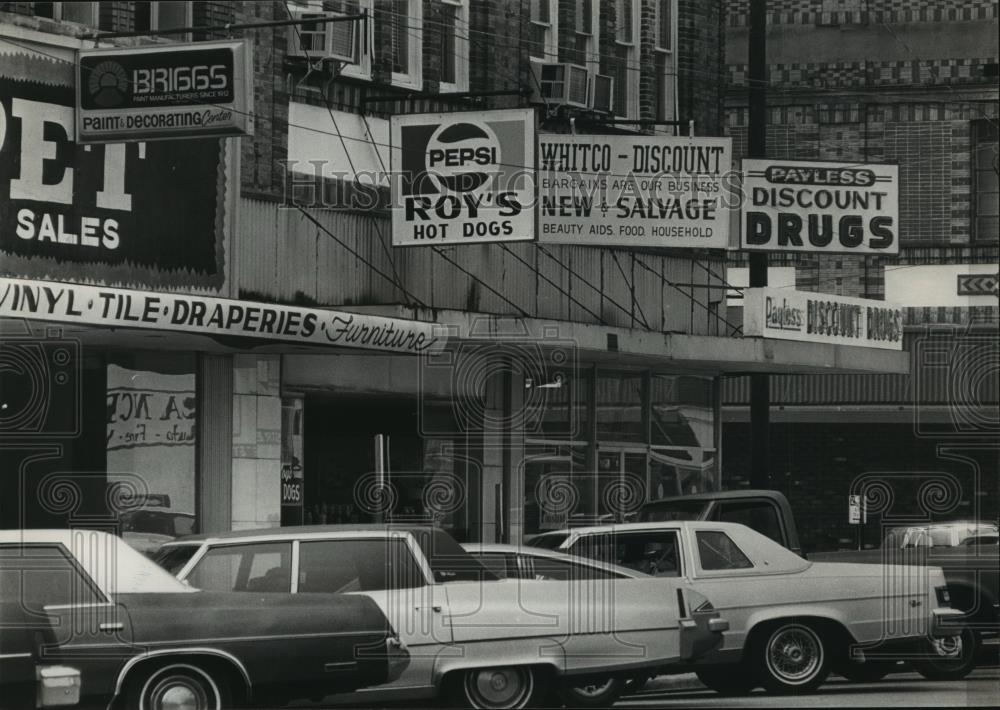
[[760, 385]]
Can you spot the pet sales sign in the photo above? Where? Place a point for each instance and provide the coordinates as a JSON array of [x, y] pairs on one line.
[[809, 206], [463, 178], [177, 91], [822, 318]]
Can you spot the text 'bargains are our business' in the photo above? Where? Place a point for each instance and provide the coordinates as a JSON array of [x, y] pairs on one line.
[[653, 191]]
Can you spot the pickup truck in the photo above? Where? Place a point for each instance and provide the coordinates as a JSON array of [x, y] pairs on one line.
[[971, 570]]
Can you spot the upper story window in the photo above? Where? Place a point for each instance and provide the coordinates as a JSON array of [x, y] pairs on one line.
[[84, 13], [626, 59], [402, 23], [453, 29], [542, 41], [665, 61], [340, 40], [985, 165], [585, 33], [163, 15]]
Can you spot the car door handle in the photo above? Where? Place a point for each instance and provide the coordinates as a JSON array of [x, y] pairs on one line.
[[436, 609], [111, 626]]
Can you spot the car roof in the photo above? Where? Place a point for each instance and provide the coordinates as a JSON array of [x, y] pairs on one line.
[[718, 495], [300, 530], [44, 535], [627, 527]]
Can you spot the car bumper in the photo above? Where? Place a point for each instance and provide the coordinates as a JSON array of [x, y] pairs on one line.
[[701, 633], [946, 622]]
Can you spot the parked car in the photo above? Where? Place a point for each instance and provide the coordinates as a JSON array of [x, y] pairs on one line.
[[141, 638], [956, 533], [146, 529], [971, 568], [790, 619], [27, 678], [482, 641]]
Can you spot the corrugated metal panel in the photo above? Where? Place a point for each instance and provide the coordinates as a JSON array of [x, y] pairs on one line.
[[282, 254]]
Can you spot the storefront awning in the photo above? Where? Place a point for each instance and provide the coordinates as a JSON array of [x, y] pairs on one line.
[[675, 351]]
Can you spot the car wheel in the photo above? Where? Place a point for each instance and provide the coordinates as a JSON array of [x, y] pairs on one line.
[[791, 658], [599, 692], [501, 688], [866, 672], [950, 658], [729, 679], [177, 685]]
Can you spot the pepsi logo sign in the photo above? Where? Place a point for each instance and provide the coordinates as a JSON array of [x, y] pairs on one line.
[[462, 157]]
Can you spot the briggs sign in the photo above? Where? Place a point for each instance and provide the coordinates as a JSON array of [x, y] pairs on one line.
[[463, 178], [149, 93], [792, 205]]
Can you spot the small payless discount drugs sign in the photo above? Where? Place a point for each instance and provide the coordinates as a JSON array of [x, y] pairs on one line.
[[463, 178]]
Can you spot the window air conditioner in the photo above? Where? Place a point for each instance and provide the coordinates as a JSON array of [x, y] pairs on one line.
[[324, 40], [603, 93], [561, 83]]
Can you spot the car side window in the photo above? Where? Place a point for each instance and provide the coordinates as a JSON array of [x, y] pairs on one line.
[[252, 567], [717, 551], [546, 568], [653, 552], [357, 566], [498, 563], [41, 575], [758, 515]]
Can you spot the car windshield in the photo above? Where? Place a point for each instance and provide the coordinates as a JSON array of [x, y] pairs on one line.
[[158, 522], [173, 557], [449, 561], [548, 541], [673, 510]]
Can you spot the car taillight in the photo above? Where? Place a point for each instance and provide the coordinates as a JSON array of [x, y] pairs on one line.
[[943, 597]]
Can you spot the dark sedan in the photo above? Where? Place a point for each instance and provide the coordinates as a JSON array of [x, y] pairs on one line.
[[141, 638]]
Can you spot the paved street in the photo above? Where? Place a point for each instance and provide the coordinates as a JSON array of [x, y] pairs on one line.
[[982, 688]]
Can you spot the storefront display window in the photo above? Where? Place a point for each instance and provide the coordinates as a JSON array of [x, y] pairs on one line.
[[620, 415], [150, 444]]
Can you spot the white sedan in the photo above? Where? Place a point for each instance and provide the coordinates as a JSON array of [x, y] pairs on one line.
[[482, 641], [791, 620]]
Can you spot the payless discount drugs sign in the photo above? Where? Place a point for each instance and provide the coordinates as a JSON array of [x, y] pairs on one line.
[[463, 178], [847, 208], [634, 191]]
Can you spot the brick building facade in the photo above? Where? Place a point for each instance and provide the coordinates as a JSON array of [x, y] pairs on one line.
[[912, 83]]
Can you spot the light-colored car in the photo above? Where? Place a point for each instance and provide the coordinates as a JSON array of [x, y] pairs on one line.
[[482, 641], [954, 534], [790, 619]]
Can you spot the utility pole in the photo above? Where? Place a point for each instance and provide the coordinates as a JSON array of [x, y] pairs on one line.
[[760, 383]]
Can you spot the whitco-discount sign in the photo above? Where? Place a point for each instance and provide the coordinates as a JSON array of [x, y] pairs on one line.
[[793, 205], [463, 178], [634, 190]]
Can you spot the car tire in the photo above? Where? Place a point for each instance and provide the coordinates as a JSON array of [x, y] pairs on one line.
[[866, 672], [729, 679], [497, 688], [791, 657], [600, 692], [949, 659], [177, 684]]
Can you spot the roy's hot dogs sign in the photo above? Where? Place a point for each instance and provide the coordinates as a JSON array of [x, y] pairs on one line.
[[792, 205], [822, 318], [463, 178]]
